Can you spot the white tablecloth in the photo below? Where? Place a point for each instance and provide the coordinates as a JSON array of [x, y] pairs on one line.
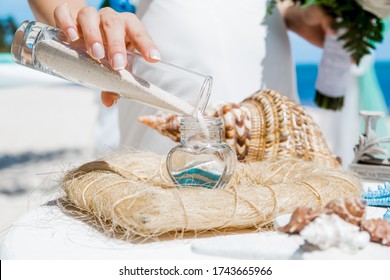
[[49, 233]]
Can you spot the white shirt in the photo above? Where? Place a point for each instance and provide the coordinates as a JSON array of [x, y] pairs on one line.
[[233, 41]]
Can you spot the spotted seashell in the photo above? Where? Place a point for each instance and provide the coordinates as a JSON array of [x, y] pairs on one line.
[[168, 125], [349, 209], [301, 217], [378, 229], [379, 197], [263, 126]]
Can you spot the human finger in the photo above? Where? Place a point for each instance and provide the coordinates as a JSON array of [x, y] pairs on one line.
[[114, 33], [109, 98], [140, 38], [65, 21], [89, 22]]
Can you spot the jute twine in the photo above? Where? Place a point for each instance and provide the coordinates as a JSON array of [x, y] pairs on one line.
[[131, 193]]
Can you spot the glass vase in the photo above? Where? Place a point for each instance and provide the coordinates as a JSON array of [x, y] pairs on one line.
[[201, 159]]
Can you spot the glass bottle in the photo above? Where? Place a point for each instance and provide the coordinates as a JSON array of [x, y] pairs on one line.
[[201, 159], [47, 49]]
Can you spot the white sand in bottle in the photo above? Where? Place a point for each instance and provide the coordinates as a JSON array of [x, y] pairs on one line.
[[81, 68]]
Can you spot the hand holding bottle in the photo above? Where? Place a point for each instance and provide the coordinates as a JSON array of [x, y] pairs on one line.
[[106, 32]]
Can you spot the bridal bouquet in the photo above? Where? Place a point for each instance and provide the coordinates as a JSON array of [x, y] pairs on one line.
[[361, 20], [360, 26]]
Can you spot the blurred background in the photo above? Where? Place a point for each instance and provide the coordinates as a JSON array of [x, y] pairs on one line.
[[42, 134], [307, 57]]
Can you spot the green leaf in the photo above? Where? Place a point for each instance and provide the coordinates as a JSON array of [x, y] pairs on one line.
[[329, 103]]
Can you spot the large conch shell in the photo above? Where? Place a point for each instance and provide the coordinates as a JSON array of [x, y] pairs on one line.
[[263, 126]]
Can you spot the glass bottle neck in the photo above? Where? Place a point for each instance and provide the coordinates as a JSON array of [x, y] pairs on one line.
[[203, 130]]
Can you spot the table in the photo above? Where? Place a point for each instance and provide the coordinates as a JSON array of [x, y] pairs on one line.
[[48, 233]]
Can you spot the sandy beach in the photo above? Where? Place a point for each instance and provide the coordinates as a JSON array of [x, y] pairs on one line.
[[47, 126]]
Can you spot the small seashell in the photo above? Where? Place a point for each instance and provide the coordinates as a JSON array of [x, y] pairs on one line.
[[263, 126], [301, 217], [328, 231], [379, 230], [350, 210], [379, 197]]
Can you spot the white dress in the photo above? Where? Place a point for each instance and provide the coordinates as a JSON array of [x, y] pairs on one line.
[[233, 41]]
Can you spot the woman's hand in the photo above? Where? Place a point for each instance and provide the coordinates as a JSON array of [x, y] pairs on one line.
[[106, 27], [311, 23], [106, 32]]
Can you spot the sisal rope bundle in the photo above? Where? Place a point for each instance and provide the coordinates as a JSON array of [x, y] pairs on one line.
[[131, 193]]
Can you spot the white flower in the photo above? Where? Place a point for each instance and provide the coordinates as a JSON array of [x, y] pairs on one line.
[[380, 8]]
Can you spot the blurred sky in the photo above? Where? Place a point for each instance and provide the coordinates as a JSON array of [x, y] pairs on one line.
[[302, 51]]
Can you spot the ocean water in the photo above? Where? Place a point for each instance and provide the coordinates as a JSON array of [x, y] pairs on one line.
[[307, 73]]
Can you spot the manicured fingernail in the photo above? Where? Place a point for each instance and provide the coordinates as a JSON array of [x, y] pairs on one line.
[[119, 61], [72, 33], [97, 50], [154, 54]]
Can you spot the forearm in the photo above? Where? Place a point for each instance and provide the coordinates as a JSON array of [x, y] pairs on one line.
[[309, 23], [44, 9], [291, 15]]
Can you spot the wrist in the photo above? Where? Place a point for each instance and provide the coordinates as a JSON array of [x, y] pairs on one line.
[[292, 15]]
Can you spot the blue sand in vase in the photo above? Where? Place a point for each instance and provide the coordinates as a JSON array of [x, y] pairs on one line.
[[198, 175]]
